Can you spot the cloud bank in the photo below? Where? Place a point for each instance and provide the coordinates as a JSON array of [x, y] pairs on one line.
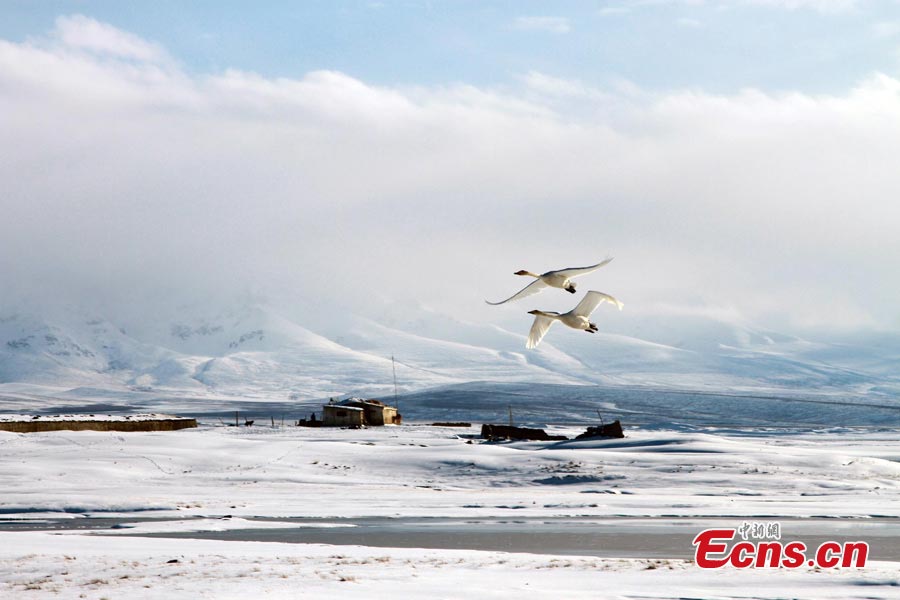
[[130, 182]]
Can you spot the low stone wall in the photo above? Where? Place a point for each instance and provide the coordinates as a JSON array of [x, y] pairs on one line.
[[148, 425]]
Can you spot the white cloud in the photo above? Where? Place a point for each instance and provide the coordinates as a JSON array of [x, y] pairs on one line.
[[547, 24], [607, 11], [78, 31], [824, 6], [125, 182], [886, 29], [555, 86], [690, 23]]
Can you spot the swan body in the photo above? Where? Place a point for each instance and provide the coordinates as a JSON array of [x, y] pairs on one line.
[[561, 278], [577, 318]]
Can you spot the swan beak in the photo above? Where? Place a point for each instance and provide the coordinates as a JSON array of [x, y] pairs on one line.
[[534, 312]]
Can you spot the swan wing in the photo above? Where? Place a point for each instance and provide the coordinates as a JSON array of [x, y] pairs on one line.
[[591, 301], [529, 290], [538, 330], [576, 271]]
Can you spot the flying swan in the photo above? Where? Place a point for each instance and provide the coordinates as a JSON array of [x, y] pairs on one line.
[[577, 318], [560, 278]]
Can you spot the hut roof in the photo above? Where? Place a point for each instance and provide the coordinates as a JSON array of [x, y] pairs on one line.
[[358, 401], [343, 406]]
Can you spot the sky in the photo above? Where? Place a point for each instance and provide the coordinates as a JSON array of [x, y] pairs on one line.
[[737, 157]]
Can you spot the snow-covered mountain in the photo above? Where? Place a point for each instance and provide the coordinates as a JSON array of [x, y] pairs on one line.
[[256, 352]]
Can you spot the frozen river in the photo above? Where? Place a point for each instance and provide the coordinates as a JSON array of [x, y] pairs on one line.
[[620, 537]]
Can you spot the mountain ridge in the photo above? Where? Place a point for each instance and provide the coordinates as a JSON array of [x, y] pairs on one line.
[[259, 352]]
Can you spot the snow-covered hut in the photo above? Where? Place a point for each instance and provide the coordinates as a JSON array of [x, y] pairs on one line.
[[359, 411], [340, 415]]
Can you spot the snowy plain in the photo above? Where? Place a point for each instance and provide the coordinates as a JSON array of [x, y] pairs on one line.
[[724, 426], [209, 480]]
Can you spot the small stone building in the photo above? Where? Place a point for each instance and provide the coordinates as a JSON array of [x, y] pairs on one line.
[[356, 412], [339, 415]]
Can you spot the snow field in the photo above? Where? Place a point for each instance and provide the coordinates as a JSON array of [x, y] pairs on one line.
[[419, 470], [40, 565]]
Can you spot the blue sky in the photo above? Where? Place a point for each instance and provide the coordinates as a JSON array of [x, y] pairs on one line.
[[737, 157], [724, 45]]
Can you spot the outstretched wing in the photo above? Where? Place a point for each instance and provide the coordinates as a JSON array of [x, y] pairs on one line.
[[538, 330], [576, 271], [591, 301], [529, 290]]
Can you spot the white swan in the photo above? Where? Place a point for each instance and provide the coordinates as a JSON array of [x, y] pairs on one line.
[[577, 318], [560, 278]]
